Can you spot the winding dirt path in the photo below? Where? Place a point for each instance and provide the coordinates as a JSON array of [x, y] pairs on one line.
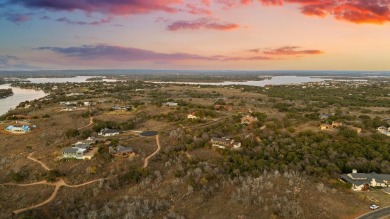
[[38, 161], [58, 184], [90, 123], [146, 162]]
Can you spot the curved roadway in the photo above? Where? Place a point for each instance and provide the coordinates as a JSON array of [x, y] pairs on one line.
[[376, 214]]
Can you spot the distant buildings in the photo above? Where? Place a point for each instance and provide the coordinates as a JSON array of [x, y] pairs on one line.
[[171, 104], [324, 116], [120, 108], [74, 94], [248, 120], [68, 103], [225, 143], [362, 181]]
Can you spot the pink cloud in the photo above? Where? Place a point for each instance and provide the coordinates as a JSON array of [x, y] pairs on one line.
[[117, 7], [128, 54], [291, 51], [203, 23], [356, 11]]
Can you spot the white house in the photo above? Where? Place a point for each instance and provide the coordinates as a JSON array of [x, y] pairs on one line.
[[106, 132], [225, 143], [361, 180], [18, 129], [171, 104], [76, 153], [384, 130], [192, 116]]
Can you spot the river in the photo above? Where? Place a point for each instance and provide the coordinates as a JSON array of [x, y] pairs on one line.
[[77, 79], [20, 95], [276, 80]]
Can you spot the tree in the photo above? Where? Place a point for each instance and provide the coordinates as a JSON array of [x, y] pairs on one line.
[[71, 133]]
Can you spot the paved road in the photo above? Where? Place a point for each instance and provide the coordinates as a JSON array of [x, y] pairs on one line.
[[377, 214]]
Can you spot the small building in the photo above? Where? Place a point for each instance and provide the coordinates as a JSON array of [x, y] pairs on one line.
[[106, 132], [384, 130], [192, 116], [360, 181], [248, 120], [18, 129], [325, 126], [121, 151], [225, 143], [120, 108], [171, 104], [68, 103]]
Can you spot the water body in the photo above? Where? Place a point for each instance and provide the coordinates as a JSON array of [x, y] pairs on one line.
[[277, 80], [77, 79], [20, 95]]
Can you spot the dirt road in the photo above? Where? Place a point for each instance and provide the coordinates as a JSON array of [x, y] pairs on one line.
[[90, 123], [146, 162], [38, 161], [58, 184]]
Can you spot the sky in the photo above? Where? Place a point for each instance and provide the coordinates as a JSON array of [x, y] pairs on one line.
[[195, 35]]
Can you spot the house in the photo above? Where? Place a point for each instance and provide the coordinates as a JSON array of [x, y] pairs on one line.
[[121, 151], [74, 94], [80, 145], [106, 132], [335, 125], [192, 116], [73, 152], [325, 126], [171, 104], [225, 143], [384, 130], [360, 181], [120, 108], [18, 129], [87, 103], [248, 120], [68, 103]]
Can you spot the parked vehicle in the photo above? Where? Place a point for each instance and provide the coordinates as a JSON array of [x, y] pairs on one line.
[[373, 207]]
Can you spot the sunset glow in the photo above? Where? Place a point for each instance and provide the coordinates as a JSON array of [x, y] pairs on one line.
[[187, 34]]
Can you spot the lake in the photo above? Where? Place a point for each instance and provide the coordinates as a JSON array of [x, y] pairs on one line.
[[276, 80], [20, 95], [77, 79]]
